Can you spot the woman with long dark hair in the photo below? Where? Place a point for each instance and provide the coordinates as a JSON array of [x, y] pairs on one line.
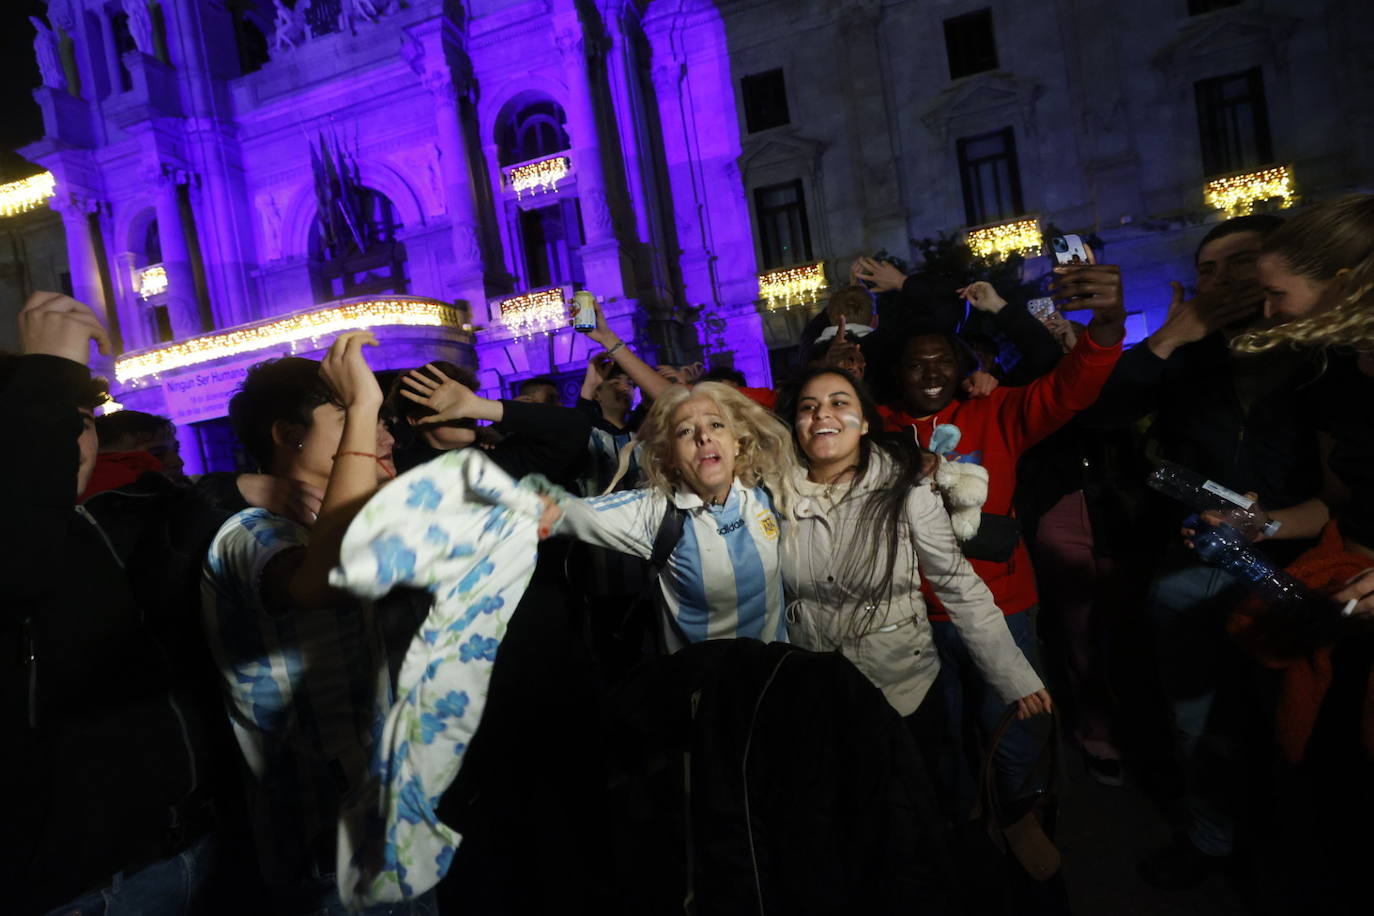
[[864, 530]]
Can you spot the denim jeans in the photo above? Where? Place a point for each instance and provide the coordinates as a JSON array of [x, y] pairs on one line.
[[1188, 608], [165, 888], [963, 689]]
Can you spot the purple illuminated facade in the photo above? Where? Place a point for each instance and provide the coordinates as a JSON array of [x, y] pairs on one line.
[[196, 144], [242, 178]]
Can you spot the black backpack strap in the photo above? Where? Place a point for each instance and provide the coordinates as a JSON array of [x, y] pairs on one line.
[[669, 533]]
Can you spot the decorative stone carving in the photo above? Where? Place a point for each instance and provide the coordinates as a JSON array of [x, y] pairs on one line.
[[597, 209], [49, 57], [351, 12], [467, 245], [292, 28], [270, 213], [140, 25]]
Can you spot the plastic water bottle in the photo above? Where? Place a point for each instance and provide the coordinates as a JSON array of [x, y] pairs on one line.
[[1225, 548], [1203, 495]]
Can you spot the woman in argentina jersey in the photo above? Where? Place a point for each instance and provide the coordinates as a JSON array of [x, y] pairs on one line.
[[715, 455]]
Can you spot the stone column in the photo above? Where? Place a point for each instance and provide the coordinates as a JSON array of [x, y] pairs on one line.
[[182, 308], [84, 266], [459, 201], [603, 262]]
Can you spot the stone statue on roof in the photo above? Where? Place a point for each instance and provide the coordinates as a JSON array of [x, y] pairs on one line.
[[45, 48], [140, 25]]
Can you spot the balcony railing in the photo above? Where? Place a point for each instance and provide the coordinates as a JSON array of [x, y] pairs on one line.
[[537, 310], [1000, 240], [271, 334], [538, 176], [789, 286], [1237, 194]]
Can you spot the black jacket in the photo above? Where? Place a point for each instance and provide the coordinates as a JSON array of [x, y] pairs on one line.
[[539, 438], [106, 747], [1267, 446]]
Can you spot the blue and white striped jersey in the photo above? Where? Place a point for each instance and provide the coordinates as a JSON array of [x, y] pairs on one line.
[[721, 581]]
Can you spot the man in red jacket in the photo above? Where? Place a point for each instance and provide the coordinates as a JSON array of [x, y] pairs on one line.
[[993, 432]]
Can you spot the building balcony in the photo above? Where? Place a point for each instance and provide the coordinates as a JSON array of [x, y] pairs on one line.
[[537, 177], [526, 314], [786, 287], [1020, 236], [307, 332], [1238, 193]]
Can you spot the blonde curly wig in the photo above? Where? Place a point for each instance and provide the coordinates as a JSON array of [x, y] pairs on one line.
[[766, 455], [1319, 244]]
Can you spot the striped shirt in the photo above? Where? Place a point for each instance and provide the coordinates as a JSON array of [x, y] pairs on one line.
[[721, 581], [302, 687]]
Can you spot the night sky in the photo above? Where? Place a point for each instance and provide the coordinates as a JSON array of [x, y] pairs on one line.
[[21, 122]]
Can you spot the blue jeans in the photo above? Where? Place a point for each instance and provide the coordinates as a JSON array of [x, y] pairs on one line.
[[963, 689], [1188, 608], [164, 888]]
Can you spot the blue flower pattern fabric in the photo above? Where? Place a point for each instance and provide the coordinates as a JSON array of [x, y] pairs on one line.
[[459, 527]]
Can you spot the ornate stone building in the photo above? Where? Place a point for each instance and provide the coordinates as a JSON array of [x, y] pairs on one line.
[[237, 179]]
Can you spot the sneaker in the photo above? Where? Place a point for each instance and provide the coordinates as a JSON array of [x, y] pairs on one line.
[[1179, 866], [1106, 770]]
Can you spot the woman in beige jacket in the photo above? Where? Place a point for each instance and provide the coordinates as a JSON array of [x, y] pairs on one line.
[[864, 530]]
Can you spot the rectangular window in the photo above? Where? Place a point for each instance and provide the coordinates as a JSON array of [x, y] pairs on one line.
[[784, 234], [163, 324], [991, 179], [969, 44], [1233, 121], [765, 101], [1198, 7]]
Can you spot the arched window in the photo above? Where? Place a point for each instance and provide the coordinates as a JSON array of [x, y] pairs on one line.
[[353, 246], [530, 128]]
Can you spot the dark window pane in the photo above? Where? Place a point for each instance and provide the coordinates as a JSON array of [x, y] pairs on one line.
[[164, 324], [969, 43], [1198, 7], [1233, 122], [765, 101], [532, 132], [784, 235], [990, 177], [124, 43]]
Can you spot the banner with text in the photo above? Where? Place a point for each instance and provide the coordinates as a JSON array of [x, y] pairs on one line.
[[204, 393]]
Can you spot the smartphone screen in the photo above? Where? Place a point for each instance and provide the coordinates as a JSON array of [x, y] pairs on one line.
[[1041, 308], [1069, 249]]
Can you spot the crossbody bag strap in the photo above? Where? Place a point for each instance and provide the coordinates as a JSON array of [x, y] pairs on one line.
[[1047, 763]]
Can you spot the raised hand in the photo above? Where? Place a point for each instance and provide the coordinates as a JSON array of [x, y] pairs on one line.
[[448, 399], [980, 384], [981, 295], [602, 333], [1096, 287], [882, 275], [844, 353], [58, 325], [347, 372]]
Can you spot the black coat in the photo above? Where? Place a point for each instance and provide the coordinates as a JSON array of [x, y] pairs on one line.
[[104, 743]]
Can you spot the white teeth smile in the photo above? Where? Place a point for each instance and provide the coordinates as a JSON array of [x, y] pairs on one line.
[[932, 392], [827, 432]]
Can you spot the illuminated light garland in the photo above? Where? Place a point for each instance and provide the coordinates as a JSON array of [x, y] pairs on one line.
[[27, 193], [152, 281], [542, 310], [540, 176], [1236, 195], [301, 326], [1005, 239], [791, 286]]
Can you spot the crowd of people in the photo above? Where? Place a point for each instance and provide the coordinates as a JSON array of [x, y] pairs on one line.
[[778, 650]]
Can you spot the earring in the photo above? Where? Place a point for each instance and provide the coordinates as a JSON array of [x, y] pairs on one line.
[[299, 446]]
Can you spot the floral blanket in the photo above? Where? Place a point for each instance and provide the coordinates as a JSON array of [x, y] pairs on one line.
[[459, 527]]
